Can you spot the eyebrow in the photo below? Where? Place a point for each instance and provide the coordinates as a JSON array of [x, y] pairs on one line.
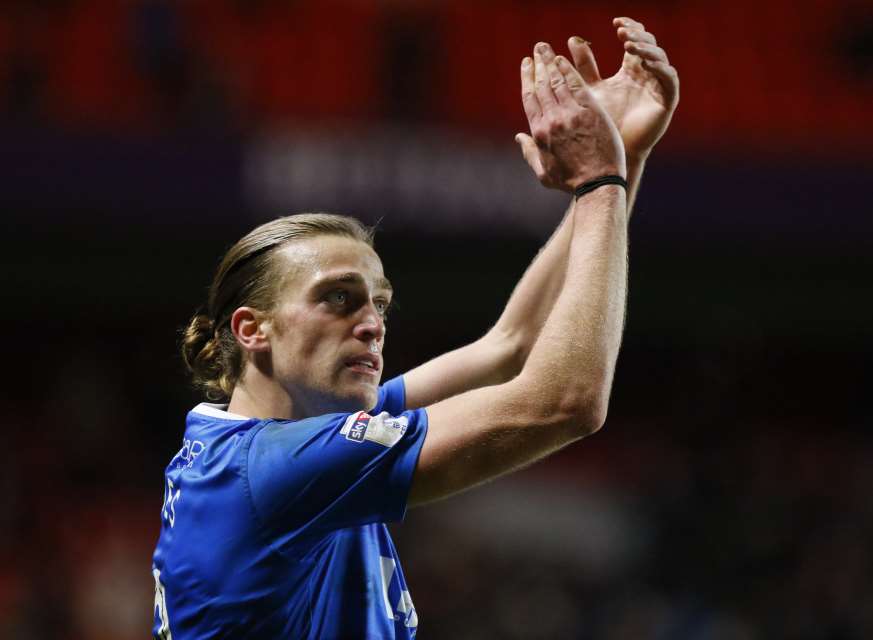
[[355, 278]]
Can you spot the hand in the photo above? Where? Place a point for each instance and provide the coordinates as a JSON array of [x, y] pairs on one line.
[[574, 139], [642, 96]]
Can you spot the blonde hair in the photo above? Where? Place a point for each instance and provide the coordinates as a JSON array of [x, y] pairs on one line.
[[247, 276]]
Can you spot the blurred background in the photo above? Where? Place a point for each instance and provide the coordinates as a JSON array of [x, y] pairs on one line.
[[728, 496]]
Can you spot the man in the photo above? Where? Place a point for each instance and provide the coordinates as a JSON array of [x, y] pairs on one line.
[[274, 510]]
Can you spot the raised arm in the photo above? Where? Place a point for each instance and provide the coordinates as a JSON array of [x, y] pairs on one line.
[[562, 392], [498, 356], [640, 98]]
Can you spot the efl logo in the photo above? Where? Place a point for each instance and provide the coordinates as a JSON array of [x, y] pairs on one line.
[[357, 427]]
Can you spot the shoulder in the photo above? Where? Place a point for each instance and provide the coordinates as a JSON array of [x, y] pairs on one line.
[[392, 397]]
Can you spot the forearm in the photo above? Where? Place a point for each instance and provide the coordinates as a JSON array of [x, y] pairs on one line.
[[500, 354], [635, 166], [571, 366], [485, 362], [534, 296]]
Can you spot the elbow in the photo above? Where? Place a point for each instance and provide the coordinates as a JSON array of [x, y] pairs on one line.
[[585, 413], [510, 351], [575, 412], [594, 419]]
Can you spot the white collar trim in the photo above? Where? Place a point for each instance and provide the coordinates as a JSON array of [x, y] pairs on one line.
[[217, 411]]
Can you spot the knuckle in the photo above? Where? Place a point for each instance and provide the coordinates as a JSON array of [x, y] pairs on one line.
[[558, 125]]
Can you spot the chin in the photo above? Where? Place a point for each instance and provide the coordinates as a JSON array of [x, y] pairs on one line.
[[356, 400], [366, 400]]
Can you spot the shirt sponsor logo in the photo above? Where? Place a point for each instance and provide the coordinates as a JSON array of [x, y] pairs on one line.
[[382, 429], [188, 453]]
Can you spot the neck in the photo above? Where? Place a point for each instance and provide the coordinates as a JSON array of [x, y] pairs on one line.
[[257, 396]]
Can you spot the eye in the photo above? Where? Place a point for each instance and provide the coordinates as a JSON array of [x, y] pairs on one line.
[[337, 297], [382, 306]]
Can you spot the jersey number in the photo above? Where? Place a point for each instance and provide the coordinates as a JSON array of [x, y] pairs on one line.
[[161, 608]]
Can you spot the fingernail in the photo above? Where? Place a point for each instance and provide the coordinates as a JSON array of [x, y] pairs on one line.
[[526, 62], [542, 48], [577, 40]]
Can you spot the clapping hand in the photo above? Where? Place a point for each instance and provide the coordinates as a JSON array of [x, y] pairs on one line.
[[574, 138], [640, 98]]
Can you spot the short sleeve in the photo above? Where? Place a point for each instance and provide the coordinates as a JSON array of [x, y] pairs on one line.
[[392, 397], [334, 471]]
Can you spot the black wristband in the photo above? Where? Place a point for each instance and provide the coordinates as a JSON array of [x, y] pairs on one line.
[[591, 185]]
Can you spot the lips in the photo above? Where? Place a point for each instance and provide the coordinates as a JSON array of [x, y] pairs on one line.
[[366, 362]]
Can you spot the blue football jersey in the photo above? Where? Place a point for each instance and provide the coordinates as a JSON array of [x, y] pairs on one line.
[[275, 528]]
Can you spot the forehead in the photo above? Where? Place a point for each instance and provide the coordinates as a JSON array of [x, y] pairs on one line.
[[308, 262]]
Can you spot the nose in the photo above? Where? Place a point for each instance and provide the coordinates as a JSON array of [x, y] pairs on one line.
[[370, 325]]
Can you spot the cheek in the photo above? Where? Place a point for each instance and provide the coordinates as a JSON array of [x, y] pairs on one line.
[[305, 337]]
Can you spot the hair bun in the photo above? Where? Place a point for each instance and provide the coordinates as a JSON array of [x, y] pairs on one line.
[[202, 355]]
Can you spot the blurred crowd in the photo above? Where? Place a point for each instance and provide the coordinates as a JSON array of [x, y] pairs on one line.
[[230, 66], [760, 538]]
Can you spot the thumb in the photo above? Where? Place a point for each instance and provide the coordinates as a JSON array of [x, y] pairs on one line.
[[584, 60], [531, 153]]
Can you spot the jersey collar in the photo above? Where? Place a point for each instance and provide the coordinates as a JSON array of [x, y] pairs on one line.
[[217, 411]]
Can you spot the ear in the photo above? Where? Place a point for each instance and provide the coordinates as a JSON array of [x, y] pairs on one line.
[[247, 325]]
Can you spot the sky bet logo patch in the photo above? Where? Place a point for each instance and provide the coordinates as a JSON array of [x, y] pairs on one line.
[[358, 427], [382, 429]]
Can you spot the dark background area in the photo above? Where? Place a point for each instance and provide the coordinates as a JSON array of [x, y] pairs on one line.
[[728, 495]]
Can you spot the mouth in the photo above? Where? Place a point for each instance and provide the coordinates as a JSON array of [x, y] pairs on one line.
[[367, 364]]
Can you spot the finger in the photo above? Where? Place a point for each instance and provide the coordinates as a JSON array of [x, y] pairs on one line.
[[667, 76], [575, 81], [628, 23], [583, 58], [556, 79], [635, 35], [531, 154], [646, 51], [631, 62], [542, 85], [529, 100]]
